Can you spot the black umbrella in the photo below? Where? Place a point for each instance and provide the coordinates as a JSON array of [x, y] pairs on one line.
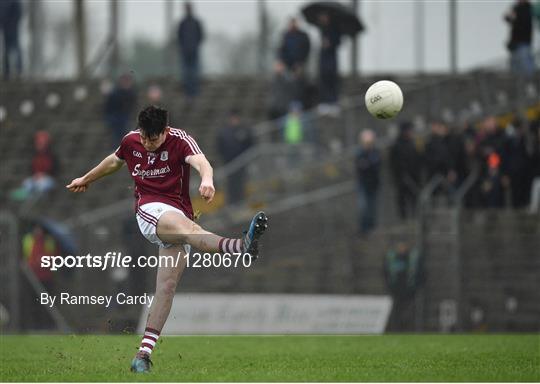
[[344, 17]]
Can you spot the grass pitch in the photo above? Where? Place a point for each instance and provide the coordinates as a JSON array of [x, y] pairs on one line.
[[275, 358]]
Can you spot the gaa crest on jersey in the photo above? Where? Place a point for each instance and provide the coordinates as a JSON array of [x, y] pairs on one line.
[[164, 156]]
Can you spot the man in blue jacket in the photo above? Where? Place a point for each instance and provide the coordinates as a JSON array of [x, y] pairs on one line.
[[295, 46]]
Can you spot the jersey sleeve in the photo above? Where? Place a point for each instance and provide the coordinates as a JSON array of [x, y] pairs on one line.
[[121, 150], [188, 146]]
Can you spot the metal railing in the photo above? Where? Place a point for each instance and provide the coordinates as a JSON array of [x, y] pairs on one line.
[[425, 206], [424, 203]]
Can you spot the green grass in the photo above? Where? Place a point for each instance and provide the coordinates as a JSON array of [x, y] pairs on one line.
[[275, 358]]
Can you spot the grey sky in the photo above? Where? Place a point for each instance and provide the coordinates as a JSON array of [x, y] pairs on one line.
[[388, 45]]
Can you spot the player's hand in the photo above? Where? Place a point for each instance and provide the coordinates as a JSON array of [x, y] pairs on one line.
[[207, 190], [77, 185]]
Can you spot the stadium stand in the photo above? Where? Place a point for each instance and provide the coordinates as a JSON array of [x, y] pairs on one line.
[[312, 262]]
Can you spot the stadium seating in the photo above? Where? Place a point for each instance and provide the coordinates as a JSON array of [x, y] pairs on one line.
[[325, 254]]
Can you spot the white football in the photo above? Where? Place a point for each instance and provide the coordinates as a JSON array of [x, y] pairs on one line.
[[384, 99]]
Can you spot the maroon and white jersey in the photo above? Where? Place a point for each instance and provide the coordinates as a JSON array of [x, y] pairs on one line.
[[162, 175]]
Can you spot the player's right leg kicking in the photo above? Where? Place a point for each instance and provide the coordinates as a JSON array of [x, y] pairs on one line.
[[174, 228]]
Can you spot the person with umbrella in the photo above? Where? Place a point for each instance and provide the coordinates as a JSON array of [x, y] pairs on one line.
[[333, 20], [328, 62]]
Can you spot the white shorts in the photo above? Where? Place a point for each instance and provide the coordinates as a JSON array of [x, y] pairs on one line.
[[147, 217]]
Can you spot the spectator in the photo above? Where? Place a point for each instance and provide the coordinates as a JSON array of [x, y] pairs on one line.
[[490, 138], [35, 245], [44, 168], [328, 64], [232, 140], [295, 46], [404, 275], [119, 106], [406, 166], [10, 17], [304, 98], [403, 270], [154, 95], [293, 132], [281, 91], [367, 164], [456, 147], [473, 197], [516, 164], [303, 91], [190, 37], [492, 183], [519, 45], [438, 154], [468, 131]]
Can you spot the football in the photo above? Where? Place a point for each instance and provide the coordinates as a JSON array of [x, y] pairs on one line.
[[384, 99]]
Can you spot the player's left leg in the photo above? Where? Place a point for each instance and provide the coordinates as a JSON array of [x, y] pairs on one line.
[[166, 281]]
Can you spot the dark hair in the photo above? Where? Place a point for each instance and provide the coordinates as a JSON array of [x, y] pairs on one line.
[[153, 121]]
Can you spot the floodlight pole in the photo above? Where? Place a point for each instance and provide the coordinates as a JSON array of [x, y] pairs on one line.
[[169, 36], [453, 36], [35, 17], [80, 37], [355, 46], [113, 35], [263, 36], [419, 32]]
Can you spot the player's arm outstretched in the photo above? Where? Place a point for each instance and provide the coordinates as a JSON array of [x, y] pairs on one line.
[[201, 164], [109, 165]]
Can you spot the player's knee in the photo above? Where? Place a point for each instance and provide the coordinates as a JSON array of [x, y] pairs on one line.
[[195, 228], [167, 287], [182, 230], [175, 232]]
